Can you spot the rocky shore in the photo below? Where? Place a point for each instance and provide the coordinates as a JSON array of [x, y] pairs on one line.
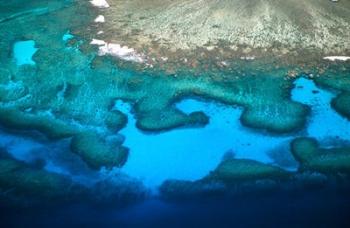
[[243, 29]]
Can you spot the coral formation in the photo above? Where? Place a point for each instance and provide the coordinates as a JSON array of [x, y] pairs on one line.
[[336, 77], [233, 170], [97, 152], [342, 104], [312, 157], [25, 185], [319, 169], [232, 176], [18, 179], [69, 91]]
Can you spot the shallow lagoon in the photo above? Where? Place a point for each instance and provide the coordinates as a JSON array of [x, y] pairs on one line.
[[157, 157], [187, 153], [191, 153], [23, 52]]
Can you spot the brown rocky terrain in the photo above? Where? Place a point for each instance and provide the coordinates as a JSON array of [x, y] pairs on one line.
[[248, 27]]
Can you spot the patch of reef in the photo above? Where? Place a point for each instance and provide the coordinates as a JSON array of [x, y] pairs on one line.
[[69, 93], [24, 186], [325, 171], [337, 78]]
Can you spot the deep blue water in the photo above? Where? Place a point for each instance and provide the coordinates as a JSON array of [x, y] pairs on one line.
[[322, 209]]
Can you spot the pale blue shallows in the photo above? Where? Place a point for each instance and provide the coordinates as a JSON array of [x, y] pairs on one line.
[[191, 153], [67, 36], [324, 123], [23, 52]]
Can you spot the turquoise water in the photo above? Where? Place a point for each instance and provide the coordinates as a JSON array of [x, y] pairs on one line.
[[191, 153], [23, 52], [324, 121], [67, 36], [95, 141]]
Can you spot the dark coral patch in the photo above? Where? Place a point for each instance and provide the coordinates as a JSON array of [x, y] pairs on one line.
[[312, 157]]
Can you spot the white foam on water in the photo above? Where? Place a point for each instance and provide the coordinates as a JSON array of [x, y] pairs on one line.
[[116, 50], [100, 3], [247, 57], [98, 42], [337, 58], [100, 19], [23, 52]]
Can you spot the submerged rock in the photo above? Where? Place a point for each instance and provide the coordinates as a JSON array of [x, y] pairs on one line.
[[311, 157], [232, 170], [231, 177], [19, 180], [337, 77], [97, 152], [342, 104], [44, 122], [26, 185]]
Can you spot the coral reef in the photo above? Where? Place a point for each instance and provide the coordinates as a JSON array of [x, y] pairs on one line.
[[320, 169], [233, 170], [69, 92], [342, 104], [20, 180], [24, 185], [336, 77], [232, 176], [314, 158], [97, 152]]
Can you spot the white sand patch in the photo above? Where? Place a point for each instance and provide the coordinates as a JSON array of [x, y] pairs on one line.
[[100, 19], [98, 42], [99, 32], [23, 52], [210, 48], [335, 58], [164, 59], [224, 63], [248, 57], [122, 52], [100, 3]]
